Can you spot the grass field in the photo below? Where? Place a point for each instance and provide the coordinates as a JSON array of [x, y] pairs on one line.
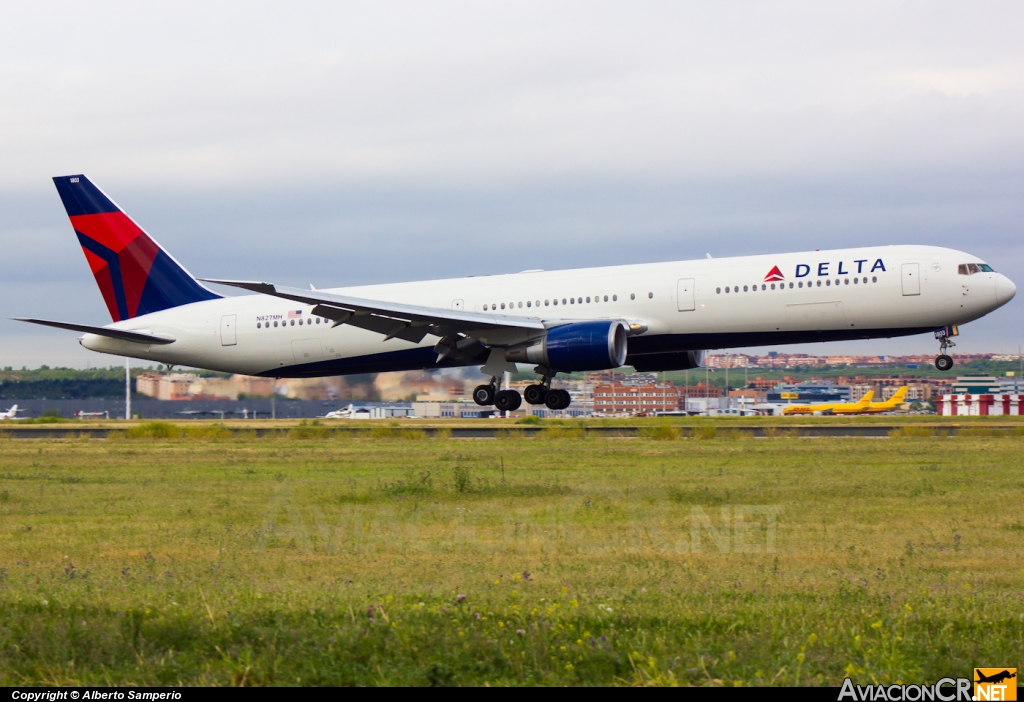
[[195, 557]]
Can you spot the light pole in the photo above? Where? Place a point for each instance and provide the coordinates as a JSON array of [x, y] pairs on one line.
[[127, 388]]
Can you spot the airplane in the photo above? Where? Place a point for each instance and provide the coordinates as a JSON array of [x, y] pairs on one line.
[[653, 317], [345, 413], [82, 414], [862, 406], [996, 677], [11, 413]]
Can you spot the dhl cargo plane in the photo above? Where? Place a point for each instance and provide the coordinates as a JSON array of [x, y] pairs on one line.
[[656, 316], [862, 406]]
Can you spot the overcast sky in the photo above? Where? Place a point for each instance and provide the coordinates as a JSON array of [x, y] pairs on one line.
[[356, 143]]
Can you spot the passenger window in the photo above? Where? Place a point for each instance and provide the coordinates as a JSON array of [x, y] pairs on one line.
[[275, 324], [257, 325], [615, 298]]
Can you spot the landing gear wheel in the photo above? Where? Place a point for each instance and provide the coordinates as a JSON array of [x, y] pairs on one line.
[[557, 399], [507, 400], [483, 395], [943, 362], [535, 394]]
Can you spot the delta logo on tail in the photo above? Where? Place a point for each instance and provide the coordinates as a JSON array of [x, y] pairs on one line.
[[134, 274], [773, 275]]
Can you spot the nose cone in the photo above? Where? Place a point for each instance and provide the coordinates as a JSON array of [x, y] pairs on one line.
[[1005, 289]]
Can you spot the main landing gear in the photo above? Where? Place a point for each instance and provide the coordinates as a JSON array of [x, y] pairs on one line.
[[944, 361], [504, 400], [509, 400]]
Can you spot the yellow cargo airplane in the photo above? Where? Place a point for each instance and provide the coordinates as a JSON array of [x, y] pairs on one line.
[[864, 406]]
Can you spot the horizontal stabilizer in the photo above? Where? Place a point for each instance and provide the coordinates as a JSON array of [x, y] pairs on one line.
[[136, 337]]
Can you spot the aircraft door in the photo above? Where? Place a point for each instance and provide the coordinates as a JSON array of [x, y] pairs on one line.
[[684, 295], [911, 279], [227, 330]]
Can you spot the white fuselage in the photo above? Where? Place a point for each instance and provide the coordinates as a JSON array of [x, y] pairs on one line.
[[822, 295]]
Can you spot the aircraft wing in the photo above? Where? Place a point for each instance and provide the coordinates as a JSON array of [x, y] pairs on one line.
[[123, 335], [396, 320]]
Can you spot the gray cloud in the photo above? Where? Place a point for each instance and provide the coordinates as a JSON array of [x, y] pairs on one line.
[[378, 142]]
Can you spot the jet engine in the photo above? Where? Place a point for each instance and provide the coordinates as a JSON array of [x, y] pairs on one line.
[[583, 346]]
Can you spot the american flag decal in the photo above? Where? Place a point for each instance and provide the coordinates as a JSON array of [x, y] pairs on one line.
[[294, 314]]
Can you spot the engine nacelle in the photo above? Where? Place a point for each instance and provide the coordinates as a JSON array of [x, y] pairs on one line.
[[676, 360], [584, 346]]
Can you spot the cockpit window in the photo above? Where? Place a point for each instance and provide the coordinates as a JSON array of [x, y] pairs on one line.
[[972, 268]]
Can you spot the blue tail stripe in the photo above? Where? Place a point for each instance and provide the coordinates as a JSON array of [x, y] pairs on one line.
[[81, 197], [115, 270]]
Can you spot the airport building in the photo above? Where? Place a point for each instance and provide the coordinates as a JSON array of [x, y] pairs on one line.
[[980, 405], [635, 399], [450, 410]]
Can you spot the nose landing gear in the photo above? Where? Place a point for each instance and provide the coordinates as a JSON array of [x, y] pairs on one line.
[[944, 361]]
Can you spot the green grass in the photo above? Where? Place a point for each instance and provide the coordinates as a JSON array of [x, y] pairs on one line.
[[194, 556]]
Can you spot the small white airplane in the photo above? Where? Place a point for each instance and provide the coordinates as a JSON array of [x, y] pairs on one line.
[[11, 413], [350, 412], [81, 414], [657, 316]]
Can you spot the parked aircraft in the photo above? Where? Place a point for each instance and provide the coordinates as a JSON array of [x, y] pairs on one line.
[[11, 413], [863, 406], [831, 407], [349, 412], [657, 316]]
